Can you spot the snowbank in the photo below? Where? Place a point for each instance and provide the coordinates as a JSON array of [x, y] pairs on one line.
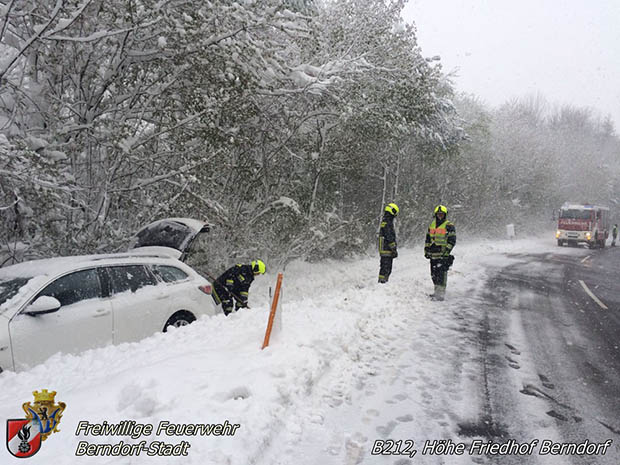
[[351, 353]]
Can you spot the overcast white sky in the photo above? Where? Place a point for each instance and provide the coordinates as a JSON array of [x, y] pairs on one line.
[[566, 50]]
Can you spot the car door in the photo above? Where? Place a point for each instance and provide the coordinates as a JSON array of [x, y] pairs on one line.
[[83, 321], [179, 291], [137, 302]]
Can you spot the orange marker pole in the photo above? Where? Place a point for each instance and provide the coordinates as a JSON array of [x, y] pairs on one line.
[[272, 313]]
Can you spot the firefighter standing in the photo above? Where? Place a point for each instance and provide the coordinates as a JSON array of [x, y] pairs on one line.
[[440, 240], [387, 242], [614, 234], [235, 283]]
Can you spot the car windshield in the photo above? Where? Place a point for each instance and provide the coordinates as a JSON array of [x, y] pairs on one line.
[[163, 234], [10, 287], [574, 214]]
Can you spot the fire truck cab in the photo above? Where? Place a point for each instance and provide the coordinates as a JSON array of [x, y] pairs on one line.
[[579, 223]]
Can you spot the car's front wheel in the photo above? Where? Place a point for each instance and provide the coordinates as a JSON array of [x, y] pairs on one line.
[[182, 318]]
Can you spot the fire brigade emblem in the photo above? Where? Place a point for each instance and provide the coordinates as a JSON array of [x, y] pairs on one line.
[[24, 436]]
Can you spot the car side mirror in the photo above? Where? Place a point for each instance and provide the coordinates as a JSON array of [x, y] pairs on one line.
[[44, 304]]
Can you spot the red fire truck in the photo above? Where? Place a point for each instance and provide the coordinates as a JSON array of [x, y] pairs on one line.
[[583, 224]]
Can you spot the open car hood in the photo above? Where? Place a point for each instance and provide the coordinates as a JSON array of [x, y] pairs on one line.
[[169, 236]]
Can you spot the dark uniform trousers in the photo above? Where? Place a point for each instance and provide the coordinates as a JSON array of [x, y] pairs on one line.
[[385, 268], [222, 296], [439, 271]]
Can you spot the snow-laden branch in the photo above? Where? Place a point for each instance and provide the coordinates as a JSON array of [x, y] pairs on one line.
[[67, 22], [39, 182], [220, 37], [212, 204], [5, 22], [8, 207], [95, 36], [189, 119], [281, 203], [39, 32], [162, 177]]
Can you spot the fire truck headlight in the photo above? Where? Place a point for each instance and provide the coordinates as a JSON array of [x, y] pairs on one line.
[[557, 234], [588, 236]]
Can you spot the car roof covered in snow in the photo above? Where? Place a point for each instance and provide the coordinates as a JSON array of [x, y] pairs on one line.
[[38, 273], [577, 206], [59, 265]]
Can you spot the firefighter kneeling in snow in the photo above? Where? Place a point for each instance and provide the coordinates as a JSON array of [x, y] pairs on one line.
[[235, 283], [440, 240]]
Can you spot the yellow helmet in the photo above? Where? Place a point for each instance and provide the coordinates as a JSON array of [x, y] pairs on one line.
[[441, 208], [258, 267], [392, 208]]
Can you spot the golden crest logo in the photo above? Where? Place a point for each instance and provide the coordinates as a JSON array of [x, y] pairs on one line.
[[24, 436]]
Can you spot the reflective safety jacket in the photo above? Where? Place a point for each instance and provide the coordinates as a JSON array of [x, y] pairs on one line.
[[237, 280], [440, 239], [387, 236]]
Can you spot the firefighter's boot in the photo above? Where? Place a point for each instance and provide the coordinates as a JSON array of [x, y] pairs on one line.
[[439, 293]]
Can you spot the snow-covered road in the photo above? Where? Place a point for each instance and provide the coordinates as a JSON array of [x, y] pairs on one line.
[[356, 362]]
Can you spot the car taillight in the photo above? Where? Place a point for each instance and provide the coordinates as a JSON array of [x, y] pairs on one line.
[[206, 288]]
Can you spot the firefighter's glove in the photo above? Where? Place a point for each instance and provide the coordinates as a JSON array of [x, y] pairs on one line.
[[394, 253], [427, 255]]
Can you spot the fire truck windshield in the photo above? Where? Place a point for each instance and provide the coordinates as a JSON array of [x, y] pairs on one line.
[[574, 214]]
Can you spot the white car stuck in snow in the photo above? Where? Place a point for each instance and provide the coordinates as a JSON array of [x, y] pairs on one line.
[[70, 304]]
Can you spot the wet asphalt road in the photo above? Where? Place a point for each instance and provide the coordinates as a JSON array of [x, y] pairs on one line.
[[551, 331]]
